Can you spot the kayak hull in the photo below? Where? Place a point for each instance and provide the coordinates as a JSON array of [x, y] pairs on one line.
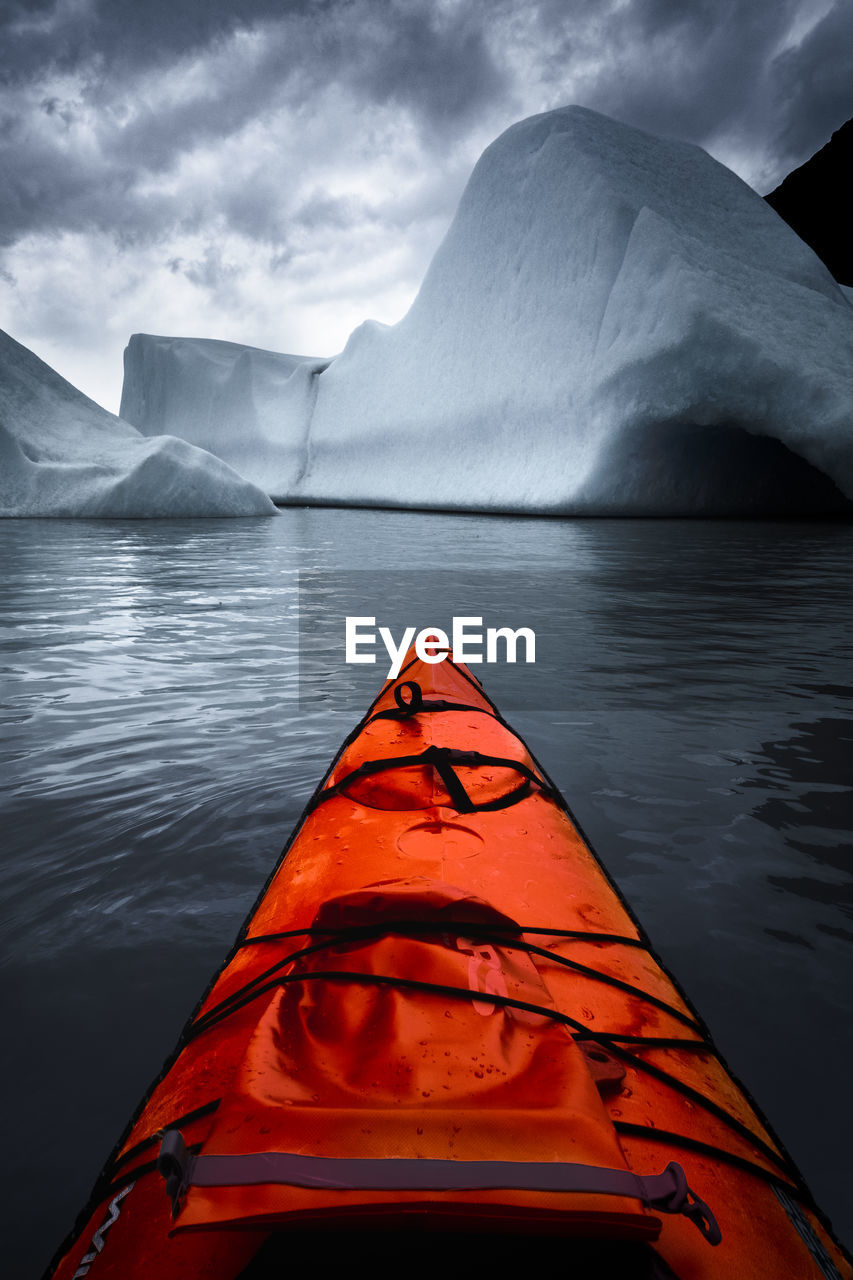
[[441, 1020]]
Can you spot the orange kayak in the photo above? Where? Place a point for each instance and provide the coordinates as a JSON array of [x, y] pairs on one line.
[[442, 1029]]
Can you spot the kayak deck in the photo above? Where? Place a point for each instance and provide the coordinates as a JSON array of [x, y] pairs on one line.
[[441, 1020]]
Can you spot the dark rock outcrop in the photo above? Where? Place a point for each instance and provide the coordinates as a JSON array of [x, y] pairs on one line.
[[815, 201]]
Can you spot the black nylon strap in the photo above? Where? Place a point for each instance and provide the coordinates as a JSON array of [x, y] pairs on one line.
[[445, 760], [426, 704], [481, 931], [611, 1042]]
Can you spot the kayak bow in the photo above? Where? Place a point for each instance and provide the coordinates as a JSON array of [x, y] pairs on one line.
[[441, 1026]]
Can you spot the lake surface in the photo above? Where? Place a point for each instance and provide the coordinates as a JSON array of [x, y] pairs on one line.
[[160, 736]]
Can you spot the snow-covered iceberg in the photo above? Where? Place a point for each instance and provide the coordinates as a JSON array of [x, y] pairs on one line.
[[614, 325], [249, 407], [63, 455]]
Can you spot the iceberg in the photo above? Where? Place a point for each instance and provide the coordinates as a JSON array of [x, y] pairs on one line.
[[615, 324], [63, 455], [249, 407]]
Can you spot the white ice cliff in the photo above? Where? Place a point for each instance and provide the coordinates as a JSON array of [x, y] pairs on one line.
[[63, 455], [614, 325], [250, 407]]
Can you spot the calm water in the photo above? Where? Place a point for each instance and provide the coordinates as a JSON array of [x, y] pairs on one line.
[[692, 699]]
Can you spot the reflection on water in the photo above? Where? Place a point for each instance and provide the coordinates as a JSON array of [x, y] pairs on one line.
[[691, 697]]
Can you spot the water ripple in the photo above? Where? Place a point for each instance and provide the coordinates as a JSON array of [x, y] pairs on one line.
[[692, 700]]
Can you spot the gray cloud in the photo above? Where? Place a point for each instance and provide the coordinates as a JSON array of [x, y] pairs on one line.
[[98, 98], [437, 63], [211, 271], [705, 67], [121, 35], [111, 108], [813, 83], [317, 148]]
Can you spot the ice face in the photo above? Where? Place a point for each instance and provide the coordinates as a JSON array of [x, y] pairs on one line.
[[62, 455], [614, 325], [249, 407]]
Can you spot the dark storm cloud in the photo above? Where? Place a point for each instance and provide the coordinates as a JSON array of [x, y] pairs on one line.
[[814, 85], [321, 210], [123, 34], [93, 100], [441, 67], [704, 65], [73, 154], [210, 271], [100, 94], [700, 70], [441, 71], [273, 170]]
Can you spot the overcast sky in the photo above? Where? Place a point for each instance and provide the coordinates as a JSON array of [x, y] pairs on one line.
[[275, 171]]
